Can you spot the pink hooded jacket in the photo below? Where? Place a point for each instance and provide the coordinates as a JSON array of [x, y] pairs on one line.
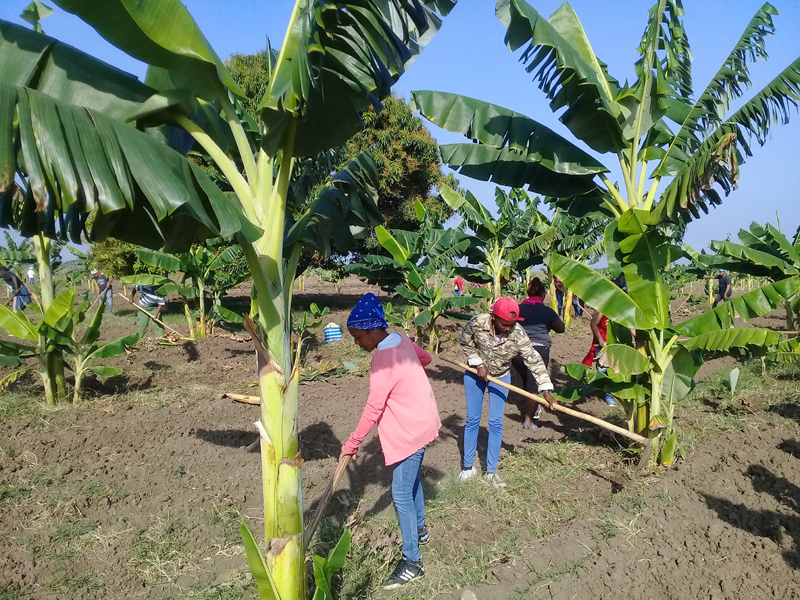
[[400, 401]]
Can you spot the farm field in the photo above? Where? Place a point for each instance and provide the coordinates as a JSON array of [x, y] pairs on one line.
[[139, 491]]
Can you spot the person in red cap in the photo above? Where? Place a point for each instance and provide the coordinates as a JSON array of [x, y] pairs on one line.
[[490, 341]]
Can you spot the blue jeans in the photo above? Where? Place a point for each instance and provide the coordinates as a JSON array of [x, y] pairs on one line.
[[409, 502], [474, 388], [109, 294]]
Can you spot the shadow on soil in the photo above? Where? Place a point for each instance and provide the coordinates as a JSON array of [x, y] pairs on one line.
[[783, 529]]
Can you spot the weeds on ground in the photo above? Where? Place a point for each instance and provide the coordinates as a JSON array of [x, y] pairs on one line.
[[157, 551], [9, 593], [70, 583], [536, 500], [232, 590], [226, 518]]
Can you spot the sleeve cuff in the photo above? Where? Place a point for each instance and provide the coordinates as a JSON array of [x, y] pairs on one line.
[[546, 387], [475, 362]]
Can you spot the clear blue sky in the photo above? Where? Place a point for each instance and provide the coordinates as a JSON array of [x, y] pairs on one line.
[[468, 57]]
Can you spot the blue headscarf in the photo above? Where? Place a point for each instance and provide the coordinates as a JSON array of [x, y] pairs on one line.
[[367, 314]]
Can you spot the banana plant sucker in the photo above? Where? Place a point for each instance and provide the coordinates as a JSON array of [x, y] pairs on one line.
[[51, 362], [495, 261]]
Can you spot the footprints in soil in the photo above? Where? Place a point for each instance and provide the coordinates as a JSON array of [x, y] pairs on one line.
[[783, 525]]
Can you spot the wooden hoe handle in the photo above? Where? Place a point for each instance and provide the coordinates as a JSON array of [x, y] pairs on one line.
[[563, 409], [326, 497]]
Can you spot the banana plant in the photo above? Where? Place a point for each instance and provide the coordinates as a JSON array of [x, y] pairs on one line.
[[92, 140], [58, 328], [651, 372], [417, 258], [655, 127], [196, 268], [763, 252], [502, 243]]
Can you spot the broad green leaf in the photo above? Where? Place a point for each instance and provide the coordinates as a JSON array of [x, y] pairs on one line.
[[17, 256], [258, 566], [626, 360], [423, 318], [17, 324], [678, 378], [564, 74], [453, 199], [514, 150], [668, 450], [385, 239], [723, 340], [454, 302], [419, 209], [92, 333], [321, 579], [161, 260], [599, 293], [229, 315], [337, 556], [729, 83], [644, 253], [718, 157], [743, 253], [747, 306], [10, 361], [105, 371], [60, 307], [161, 33], [115, 348], [337, 59]]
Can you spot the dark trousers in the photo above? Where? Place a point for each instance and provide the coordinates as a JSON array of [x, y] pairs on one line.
[[529, 383]]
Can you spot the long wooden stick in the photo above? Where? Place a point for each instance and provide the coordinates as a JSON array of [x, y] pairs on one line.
[[180, 335], [344, 460], [558, 408]]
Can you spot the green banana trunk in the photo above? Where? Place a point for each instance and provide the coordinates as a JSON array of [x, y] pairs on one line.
[[568, 308], [51, 362]]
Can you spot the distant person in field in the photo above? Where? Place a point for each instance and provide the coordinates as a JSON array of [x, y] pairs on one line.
[[148, 298], [31, 276], [599, 327], [102, 287], [458, 285], [490, 342], [724, 287], [576, 302], [401, 402], [538, 320], [20, 297]]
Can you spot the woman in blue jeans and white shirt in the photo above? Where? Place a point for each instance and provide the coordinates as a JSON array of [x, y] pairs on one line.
[[490, 341]]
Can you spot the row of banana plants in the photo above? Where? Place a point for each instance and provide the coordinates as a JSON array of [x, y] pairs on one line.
[[658, 131]]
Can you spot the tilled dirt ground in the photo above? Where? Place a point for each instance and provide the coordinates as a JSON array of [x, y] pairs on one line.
[[139, 492]]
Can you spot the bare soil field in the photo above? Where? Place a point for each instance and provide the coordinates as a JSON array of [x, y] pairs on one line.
[[139, 491]]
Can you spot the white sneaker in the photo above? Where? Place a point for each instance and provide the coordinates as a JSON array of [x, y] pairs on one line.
[[538, 413], [495, 480], [467, 474]]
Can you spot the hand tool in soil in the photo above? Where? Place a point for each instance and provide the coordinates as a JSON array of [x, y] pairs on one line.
[[344, 460], [647, 444], [159, 321]]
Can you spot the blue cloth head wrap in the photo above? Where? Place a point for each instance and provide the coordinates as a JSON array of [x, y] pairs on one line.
[[367, 314]]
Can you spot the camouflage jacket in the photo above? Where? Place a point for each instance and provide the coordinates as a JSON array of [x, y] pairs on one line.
[[482, 347]]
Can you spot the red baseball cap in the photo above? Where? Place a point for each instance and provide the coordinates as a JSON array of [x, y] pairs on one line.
[[506, 308]]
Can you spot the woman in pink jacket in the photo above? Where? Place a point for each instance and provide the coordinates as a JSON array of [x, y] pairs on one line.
[[401, 402]]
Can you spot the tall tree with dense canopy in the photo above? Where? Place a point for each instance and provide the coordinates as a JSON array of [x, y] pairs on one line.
[[78, 125], [659, 131]]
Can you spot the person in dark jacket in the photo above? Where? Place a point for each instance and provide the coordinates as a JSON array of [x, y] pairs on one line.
[[538, 321]]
